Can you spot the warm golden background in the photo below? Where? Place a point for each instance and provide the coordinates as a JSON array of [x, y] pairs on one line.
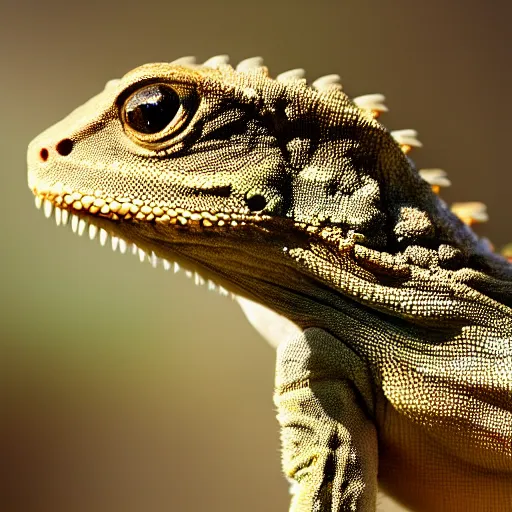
[[125, 388]]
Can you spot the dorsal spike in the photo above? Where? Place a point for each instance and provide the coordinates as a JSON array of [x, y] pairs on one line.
[[216, 61], [407, 139], [112, 83], [291, 75], [470, 212], [327, 82], [436, 178], [188, 60], [374, 103], [507, 252], [249, 64]]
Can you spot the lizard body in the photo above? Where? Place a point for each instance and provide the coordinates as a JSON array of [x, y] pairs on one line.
[[396, 358]]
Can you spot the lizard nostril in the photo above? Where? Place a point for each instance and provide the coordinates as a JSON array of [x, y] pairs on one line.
[[43, 154], [64, 147]]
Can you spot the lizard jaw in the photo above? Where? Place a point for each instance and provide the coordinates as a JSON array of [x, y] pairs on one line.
[[172, 245], [183, 249], [271, 325], [100, 229]]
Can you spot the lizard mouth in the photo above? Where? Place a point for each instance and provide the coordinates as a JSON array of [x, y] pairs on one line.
[[154, 234], [108, 232]]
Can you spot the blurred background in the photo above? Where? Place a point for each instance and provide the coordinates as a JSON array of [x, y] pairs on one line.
[[128, 388]]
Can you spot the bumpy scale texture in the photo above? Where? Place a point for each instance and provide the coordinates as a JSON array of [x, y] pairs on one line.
[[297, 198]]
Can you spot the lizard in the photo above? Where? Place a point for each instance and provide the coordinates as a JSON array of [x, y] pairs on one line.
[[392, 319]]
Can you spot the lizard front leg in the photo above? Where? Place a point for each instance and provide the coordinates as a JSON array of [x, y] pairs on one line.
[[324, 400]]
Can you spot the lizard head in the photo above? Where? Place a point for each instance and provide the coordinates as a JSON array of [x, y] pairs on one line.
[[297, 197], [260, 184]]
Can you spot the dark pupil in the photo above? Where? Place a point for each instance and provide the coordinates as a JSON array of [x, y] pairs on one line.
[[151, 109]]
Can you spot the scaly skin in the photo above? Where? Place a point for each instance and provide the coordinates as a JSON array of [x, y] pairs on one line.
[[400, 369]]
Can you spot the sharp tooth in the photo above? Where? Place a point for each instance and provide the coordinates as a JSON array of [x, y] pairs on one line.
[[103, 237], [115, 242], [176, 267], [211, 286], [47, 208], [134, 249], [122, 246], [223, 291], [166, 264], [142, 255], [38, 202], [81, 227], [64, 217], [58, 216], [188, 273], [92, 231], [198, 280], [74, 222], [153, 259]]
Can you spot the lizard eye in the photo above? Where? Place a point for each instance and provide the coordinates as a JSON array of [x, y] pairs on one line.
[[156, 112], [151, 109]]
